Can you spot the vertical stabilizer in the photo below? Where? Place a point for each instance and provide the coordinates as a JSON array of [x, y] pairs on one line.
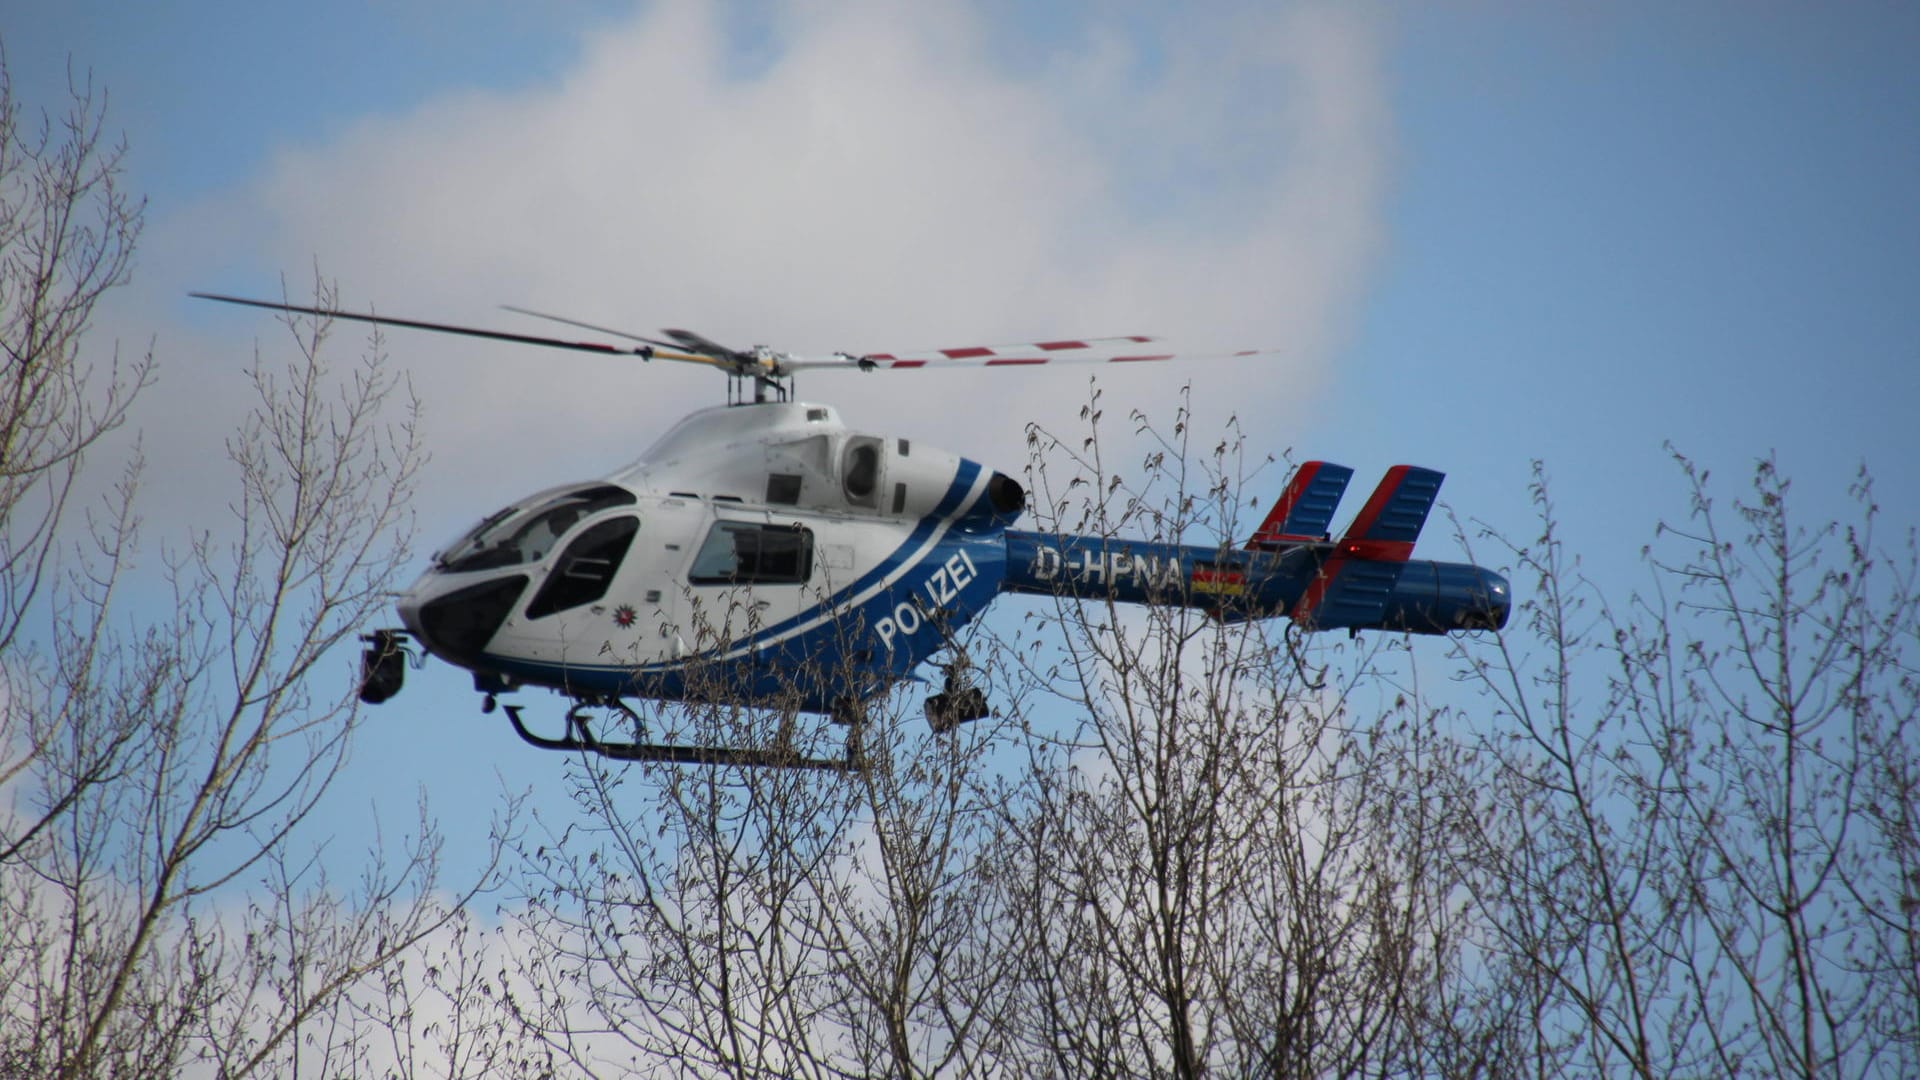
[[1305, 509], [1357, 580]]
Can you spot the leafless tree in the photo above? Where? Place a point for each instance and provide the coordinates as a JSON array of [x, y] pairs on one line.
[[447, 1009], [67, 235], [1227, 862], [162, 760], [1698, 839], [752, 921]]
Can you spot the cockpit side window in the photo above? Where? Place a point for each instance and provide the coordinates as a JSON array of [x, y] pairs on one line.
[[584, 571], [750, 553], [528, 532]]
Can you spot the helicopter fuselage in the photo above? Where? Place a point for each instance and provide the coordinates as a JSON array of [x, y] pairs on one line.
[[758, 552], [765, 554]]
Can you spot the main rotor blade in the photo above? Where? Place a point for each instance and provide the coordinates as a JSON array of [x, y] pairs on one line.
[[1114, 350], [588, 326], [645, 352], [690, 340]]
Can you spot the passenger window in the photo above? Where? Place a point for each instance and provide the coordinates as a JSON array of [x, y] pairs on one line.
[[783, 489], [585, 570], [748, 553]]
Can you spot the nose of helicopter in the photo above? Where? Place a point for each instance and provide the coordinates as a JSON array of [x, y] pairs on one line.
[[408, 607], [453, 617]]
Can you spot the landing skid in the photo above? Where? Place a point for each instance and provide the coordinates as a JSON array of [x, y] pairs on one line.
[[580, 737]]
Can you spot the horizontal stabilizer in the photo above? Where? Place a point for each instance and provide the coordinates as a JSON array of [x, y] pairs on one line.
[[1304, 509], [1357, 580]]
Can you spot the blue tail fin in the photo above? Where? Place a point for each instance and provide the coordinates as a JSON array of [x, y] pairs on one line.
[[1304, 509], [1356, 581]]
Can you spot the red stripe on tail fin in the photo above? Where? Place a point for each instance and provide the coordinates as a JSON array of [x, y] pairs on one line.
[[1379, 541], [1305, 508]]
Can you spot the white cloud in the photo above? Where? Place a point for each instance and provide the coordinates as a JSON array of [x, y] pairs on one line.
[[884, 179]]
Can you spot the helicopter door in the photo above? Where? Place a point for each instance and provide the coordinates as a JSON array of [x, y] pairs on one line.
[[579, 612], [662, 599]]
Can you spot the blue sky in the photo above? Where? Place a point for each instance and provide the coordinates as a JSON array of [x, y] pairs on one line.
[[1610, 231], [1480, 234]]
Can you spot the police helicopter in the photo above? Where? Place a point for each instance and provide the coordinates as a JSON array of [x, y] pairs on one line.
[[762, 553]]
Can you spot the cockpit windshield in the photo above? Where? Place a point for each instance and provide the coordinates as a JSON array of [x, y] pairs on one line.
[[527, 531]]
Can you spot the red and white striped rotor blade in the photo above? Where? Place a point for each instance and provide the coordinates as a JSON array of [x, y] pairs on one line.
[[1113, 350]]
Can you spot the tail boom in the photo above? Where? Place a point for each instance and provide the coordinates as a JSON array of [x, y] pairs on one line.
[[1420, 597]]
